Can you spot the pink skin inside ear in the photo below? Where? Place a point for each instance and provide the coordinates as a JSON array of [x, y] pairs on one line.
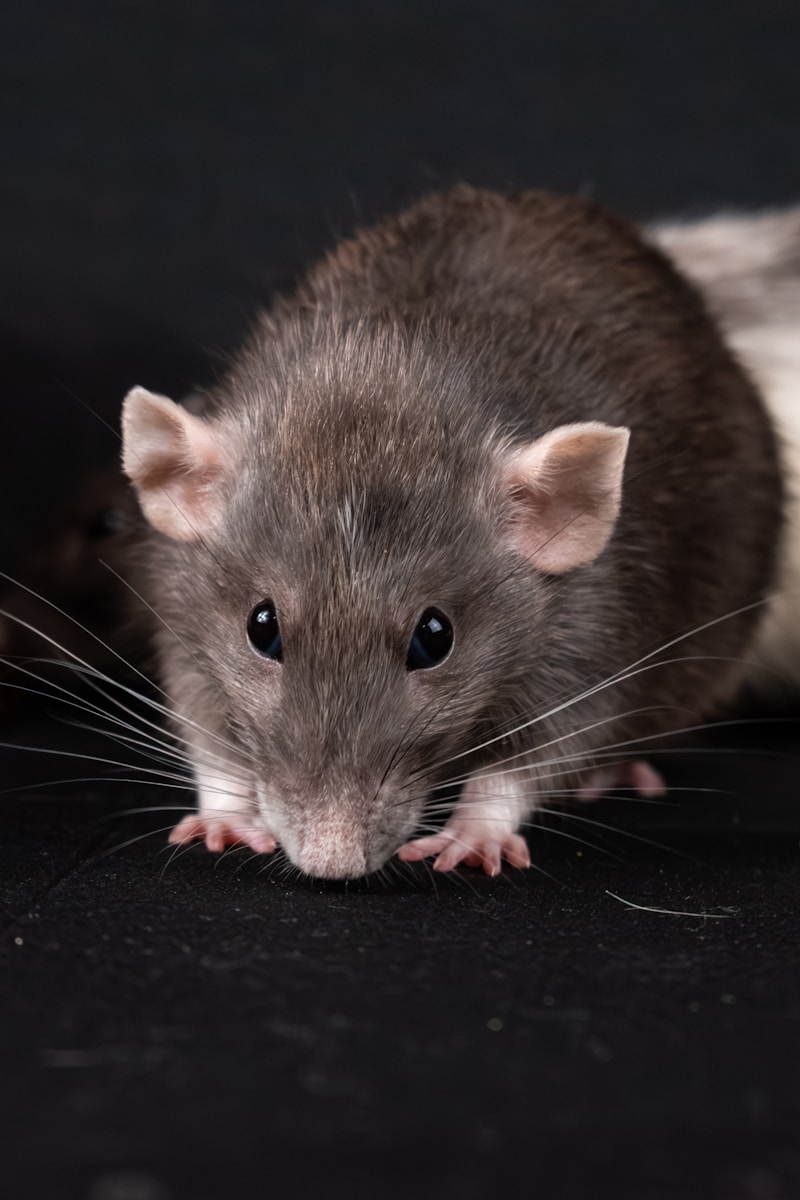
[[173, 458], [567, 488]]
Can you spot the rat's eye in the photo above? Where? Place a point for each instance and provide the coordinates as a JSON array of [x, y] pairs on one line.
[[264, 631], [431, 642], [106, 523]]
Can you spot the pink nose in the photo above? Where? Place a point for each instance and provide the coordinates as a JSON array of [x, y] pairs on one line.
[[332, 850]]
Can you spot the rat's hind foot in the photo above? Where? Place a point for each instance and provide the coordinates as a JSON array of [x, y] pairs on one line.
[[638, 777], [476, 845], [219, 832]]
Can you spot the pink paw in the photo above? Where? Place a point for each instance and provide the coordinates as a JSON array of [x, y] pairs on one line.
[[638, 777], [470, 847], [219, 832]]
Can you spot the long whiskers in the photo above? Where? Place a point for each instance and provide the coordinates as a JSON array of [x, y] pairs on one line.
[[153, 774], [637, 668], [92, 672], [151, 610], [92, 677], [155, 741], [572, 733]]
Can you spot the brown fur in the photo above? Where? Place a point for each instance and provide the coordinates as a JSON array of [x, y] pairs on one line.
[[369, 417]]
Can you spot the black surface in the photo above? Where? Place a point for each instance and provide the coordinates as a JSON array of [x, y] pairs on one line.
[[178, 1027], [199, 1027]]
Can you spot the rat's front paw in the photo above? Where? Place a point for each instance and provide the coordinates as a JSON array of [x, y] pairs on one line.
[[219, 832], [479, 844]]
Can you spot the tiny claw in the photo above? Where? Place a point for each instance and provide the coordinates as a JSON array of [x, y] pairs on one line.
[[516, 852]]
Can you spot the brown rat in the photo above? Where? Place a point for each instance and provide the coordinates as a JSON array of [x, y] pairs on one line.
[[485, 501], [72, 599], [68, 598]]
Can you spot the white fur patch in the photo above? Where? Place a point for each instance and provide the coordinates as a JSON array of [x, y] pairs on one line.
[[222, 795], [772, 353], [743, 267]]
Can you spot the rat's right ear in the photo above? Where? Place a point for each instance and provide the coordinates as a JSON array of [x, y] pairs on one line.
[[566, 490], [174, 461]]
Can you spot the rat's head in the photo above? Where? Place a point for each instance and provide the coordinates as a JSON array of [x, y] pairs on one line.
[[360, 567]]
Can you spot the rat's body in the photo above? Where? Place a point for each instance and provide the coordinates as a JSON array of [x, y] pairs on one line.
[[748, 270], [436, 422]]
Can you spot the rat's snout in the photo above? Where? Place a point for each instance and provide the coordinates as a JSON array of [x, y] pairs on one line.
[[325, 860], [336, 843]]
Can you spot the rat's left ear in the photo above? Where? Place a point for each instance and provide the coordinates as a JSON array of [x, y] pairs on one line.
[[566, 489], [174, 460]]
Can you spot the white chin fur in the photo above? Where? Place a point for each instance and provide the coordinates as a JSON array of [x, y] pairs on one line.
[[734, 260]]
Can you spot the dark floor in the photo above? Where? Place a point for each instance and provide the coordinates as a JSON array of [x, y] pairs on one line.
[[183, 1026], [175, 1027]]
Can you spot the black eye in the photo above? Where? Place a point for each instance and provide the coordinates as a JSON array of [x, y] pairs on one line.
[[431, 642], [264, 631], [106, 524]]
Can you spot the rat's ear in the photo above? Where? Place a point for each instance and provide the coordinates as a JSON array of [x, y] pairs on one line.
[[566, 489], [174, 461]]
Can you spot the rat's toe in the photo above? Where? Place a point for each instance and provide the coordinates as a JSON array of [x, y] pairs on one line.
[[423, 847], [638, 777], [219, 832], [454, 847]]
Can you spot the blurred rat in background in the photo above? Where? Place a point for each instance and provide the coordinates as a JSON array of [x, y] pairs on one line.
[[68, 598]]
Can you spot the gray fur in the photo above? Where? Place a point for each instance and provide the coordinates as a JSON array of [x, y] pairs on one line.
[[369, 418]]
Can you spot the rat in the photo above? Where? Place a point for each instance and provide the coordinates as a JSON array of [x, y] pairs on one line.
[[747, 267], [72, 598], [482, 506], [69, 600]]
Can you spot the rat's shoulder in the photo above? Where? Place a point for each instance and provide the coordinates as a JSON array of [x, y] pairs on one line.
[[469, 250]]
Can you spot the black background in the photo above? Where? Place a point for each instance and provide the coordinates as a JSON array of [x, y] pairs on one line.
[[172, 1029], [167, 165]]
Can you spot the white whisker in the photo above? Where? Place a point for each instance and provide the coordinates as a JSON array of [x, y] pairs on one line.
[[92, 673], [74, 621], [151, 610], [631, 672], [668, 912], [82, 703], [572, 733]]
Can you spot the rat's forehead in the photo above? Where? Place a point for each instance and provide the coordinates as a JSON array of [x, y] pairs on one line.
[[340, 442], [367, 541], [351, 384], [385, 441]]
